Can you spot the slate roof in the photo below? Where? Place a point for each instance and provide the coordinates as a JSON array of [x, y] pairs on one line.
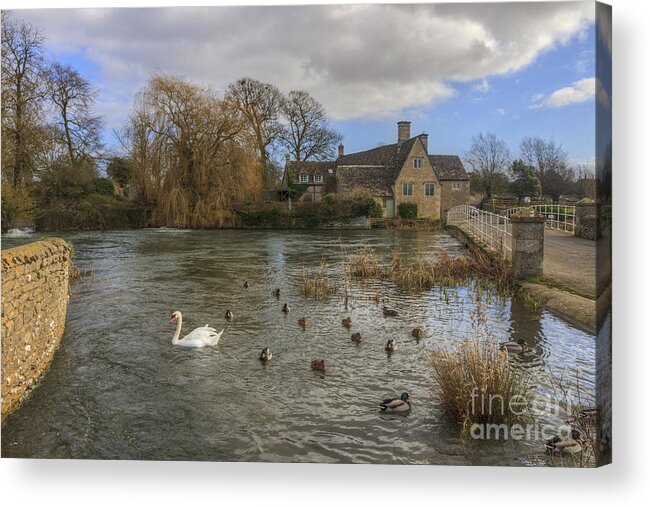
[[311, 168], [374, 179], [448, 167]]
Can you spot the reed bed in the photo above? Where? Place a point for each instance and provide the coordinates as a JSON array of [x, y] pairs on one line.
[[424, 274], [320, 285], [476, 384]]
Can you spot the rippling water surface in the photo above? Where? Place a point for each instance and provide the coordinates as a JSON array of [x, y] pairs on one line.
[[118, 389]]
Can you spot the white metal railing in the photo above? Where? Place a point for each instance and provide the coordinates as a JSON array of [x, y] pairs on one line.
[[557, 216], [492, 229]]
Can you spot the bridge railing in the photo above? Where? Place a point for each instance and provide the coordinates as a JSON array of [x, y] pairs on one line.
[[557, 216], [492, 229]]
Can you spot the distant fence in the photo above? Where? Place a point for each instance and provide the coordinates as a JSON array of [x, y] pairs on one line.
[[557, 216], [491, 229]]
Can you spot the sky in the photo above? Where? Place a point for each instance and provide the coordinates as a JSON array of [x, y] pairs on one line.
[[453, 70]]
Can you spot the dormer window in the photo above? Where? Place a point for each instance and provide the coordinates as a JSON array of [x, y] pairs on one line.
[[318, 178], [303, 178], [418, 163]]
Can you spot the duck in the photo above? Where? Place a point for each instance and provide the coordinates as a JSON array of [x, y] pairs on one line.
[[513, 346], [246, 284], [266, 354], [347, 322], [562, 446], [229, 315], [303, 321], [356, 337], [277, 293], [391, 346], [205, 336], [387, 312], [285, 308], [417, 332], [318, 365], [396, 405]]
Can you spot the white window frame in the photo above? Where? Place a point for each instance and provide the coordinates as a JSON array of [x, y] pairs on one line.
[[318, 178], [432, 186], [418, 163], [303, 178], [456, 185], [410, 186]]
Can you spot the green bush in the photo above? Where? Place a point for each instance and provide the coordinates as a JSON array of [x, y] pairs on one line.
[[363, 204], [103, 186], [261, 217], [408, 210]]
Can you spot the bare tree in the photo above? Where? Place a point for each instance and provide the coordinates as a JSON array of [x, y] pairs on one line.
[[74, 100], [307, 135], [259, 104], [488, 157], [544, 156], [23, 94]]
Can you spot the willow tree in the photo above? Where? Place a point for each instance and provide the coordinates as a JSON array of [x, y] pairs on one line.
[[191, 158]]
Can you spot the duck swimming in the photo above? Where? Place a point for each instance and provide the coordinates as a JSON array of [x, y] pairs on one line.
[[391, 346], [513, 346], [277, 293], [563, 446], [285, 308], [318, 364], [347, 322], [396, 405], [266, 354], [417, 332], [387, 312], [356, 337], [303, 322], [229, 315], [246, 285]]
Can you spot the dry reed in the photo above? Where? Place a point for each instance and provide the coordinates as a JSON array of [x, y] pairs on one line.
[[319, 286]]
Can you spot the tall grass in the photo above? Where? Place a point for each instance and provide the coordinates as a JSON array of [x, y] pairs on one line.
[[320, 285], [476, 384], [424, 274]]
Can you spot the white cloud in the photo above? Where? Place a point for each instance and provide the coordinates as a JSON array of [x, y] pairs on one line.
[[482, 87], [360, 61], [580, 91], [501, 111]]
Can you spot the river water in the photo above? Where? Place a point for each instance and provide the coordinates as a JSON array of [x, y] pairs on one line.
[[118, 389]]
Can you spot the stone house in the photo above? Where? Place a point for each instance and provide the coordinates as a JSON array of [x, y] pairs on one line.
[[392, 174]]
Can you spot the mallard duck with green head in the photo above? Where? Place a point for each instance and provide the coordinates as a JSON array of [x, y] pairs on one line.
[[396, 405], [513, 346], [391, 346], [559, 445]]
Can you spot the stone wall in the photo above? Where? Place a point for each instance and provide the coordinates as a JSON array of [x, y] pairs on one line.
[[451, 197], [428, 206], [34, 302]]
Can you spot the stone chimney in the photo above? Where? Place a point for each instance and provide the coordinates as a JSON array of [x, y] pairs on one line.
[[404, 131], [341, 150], [423, 138], [287, 157]]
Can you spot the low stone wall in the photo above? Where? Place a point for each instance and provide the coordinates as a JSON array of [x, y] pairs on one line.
[[34, 302]]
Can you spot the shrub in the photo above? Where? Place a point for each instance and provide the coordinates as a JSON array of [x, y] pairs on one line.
[[408, 210], [121, 170], [17, 205], [363, 204], [103, 186]]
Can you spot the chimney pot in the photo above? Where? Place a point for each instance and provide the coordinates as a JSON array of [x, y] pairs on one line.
[[404, 131], [341, 150]]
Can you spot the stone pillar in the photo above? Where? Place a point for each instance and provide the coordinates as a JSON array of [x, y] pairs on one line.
[[587, 222], [527, 245]]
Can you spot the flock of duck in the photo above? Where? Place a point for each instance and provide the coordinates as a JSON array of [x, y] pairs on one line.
[[207, 336]]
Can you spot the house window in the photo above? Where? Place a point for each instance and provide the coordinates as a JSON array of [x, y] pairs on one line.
[[407, 189], [303, 178], [429, 189], [456, 185], [418, 163], [318, 178]]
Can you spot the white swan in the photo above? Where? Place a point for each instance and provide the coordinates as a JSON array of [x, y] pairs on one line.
[[205, 336]]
